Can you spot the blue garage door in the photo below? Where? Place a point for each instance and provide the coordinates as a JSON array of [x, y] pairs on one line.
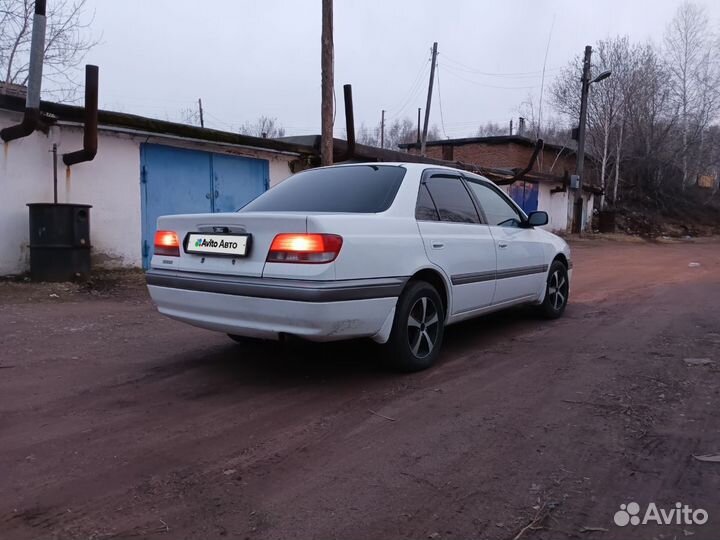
[[180, 181], [525, 194]]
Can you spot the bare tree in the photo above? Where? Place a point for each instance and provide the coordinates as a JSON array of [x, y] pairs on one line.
[[190, 116], [632, 102], [694, 74], [491, 129], [67, 42], [399, 131], [264, 126]]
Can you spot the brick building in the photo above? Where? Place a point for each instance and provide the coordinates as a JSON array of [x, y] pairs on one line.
[[507, 151], [544, 188]]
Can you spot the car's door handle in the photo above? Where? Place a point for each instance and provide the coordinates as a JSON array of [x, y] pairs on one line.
[[438, 245], [502, 244]]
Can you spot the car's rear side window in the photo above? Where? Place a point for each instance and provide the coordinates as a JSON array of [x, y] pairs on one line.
[[366, 189], [425, 209], [452, 200]]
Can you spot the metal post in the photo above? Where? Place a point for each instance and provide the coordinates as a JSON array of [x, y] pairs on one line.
[[54, 153], [429, 99], [349, 121], [382, 129], [418, 126]]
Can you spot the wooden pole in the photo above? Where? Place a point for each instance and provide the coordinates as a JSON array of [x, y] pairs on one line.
[[327, 81], [429, 99]]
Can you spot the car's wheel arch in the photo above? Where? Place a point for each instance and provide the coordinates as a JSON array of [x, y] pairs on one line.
[[562, 258], [437, 278]]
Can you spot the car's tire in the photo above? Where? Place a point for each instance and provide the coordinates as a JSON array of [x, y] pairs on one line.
[[557, 291], [418, 329]]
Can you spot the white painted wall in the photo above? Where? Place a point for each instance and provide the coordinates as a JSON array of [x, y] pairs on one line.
[[554, 204], [279, 169], [110, 183]]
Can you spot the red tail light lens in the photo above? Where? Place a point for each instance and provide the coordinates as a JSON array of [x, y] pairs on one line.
[[304, 248], [167, 243]]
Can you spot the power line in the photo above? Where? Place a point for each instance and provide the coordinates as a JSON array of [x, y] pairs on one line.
[[509, 75], [442, 119], [542, 83], [414, 89], [459, 76]]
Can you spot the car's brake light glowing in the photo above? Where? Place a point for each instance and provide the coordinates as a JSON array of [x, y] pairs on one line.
[[167, 244], [304, 248]]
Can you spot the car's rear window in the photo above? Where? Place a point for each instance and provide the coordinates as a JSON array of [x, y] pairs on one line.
[[363, 189]]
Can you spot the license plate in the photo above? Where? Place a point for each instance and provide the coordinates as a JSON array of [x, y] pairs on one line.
[[234, 245]]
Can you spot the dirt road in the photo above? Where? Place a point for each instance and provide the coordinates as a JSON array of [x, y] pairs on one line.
[[118, 423]]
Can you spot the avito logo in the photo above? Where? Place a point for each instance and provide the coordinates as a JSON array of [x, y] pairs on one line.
[[629, 514], [209, 242]]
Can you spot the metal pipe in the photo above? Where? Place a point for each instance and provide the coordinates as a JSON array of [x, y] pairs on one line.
[[90, 133], [349, 121], [31, 119], [520, 174], [54, 153]]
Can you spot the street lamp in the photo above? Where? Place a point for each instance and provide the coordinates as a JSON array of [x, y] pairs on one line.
[[604, 75], [575, 206]]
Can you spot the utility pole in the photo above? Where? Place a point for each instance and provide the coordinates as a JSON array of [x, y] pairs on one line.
[[429, 99], [575, 203], [511, 120], [418, 125], [327, 82], [382, 129], [202, 120]]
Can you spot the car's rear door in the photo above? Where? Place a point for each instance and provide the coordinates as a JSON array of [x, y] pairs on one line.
[[521, 265], [456, 240]]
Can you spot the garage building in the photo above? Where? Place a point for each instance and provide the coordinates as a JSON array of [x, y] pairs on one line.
[[143, 168]]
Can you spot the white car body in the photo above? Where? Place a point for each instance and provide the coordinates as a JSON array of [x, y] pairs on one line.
[[480, 268]]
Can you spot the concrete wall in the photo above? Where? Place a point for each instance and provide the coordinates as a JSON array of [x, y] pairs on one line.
[[110, 183]]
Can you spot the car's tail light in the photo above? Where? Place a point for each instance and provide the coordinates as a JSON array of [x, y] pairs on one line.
[[304, 248], [167, 243]]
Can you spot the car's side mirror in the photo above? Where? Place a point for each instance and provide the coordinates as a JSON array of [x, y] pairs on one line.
[[537, 219]]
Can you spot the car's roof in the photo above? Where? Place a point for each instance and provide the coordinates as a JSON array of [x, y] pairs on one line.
[[407, 165]]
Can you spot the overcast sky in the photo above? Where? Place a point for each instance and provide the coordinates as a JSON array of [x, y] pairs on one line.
[[251, 58]]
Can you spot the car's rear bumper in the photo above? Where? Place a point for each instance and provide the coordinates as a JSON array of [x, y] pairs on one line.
[[268, 308]]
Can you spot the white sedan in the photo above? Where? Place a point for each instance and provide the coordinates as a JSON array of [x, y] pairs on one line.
[[394, 252]]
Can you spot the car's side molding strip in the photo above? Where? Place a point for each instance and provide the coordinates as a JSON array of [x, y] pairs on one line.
[[300, 290], [462, 279]]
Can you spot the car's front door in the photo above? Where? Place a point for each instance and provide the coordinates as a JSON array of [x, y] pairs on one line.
[[521, 264], [456, 240]]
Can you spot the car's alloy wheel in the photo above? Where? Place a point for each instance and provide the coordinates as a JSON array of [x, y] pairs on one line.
[[423, 324], [557, 291], [418, 328]]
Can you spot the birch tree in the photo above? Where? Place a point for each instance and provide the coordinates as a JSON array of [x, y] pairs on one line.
[[691, 56]]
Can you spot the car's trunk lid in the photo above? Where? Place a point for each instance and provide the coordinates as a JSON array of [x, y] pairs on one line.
[[260, 226]]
